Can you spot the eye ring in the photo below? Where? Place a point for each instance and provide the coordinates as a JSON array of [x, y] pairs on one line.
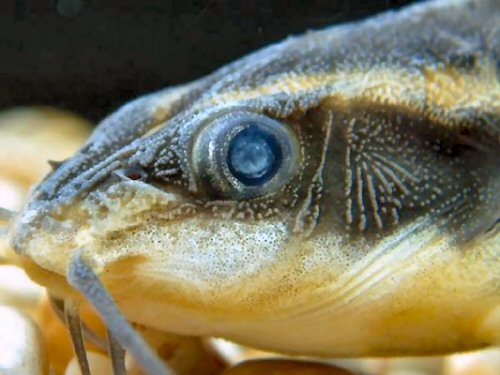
[[244, 154]]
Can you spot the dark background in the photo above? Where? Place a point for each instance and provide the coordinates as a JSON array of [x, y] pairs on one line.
[[90, 56]]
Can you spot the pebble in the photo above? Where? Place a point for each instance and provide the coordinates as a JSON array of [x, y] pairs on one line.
[[17, 289], [484, 362], [21, 344], [99, 364], [284, 367]]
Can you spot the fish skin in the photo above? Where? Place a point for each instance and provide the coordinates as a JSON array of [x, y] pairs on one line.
[[398, 124]]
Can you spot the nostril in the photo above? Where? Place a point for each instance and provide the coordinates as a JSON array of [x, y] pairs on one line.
[[55, 164], [131, 173]]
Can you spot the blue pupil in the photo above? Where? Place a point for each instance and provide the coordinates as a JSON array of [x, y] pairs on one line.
[[254, 156]]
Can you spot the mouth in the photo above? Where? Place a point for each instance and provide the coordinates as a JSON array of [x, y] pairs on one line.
[[49, 234]]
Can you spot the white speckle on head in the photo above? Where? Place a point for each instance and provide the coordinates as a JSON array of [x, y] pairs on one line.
[[223, 251], [204, 254]]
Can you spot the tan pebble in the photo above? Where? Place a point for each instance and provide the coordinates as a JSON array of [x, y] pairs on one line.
[[483, 362], [98, 363], [12, 193], [414, 366], [31, 136], [361, 365], [21, 344], [234, 353], [17, 289], [284, 367], [183, 355]]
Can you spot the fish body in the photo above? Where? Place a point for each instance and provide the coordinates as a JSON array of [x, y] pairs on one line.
[[373, 229]]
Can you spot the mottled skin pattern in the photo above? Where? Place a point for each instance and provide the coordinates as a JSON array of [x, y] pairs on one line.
[[384, 240]]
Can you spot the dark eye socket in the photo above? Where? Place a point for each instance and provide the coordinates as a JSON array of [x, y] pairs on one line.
[[131, 173], [254, 155], [244, 154]]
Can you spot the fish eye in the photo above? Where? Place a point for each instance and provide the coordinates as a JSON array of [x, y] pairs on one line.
[[245, 155], [254, 155]]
